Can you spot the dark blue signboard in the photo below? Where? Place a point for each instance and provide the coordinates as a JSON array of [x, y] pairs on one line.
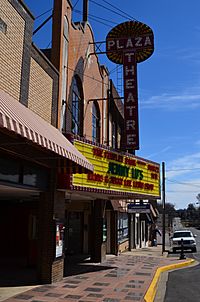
[[138, 208]]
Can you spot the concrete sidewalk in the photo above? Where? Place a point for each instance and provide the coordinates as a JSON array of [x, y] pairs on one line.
[[131, 276]]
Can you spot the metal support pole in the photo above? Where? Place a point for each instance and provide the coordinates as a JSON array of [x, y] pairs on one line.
[[41, 25], [85, 10], [182, 255], [163, 207]]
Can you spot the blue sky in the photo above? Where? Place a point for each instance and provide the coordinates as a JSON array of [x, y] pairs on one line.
[[168, 82]]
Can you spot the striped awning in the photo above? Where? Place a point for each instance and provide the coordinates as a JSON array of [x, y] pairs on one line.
[[17, 118]]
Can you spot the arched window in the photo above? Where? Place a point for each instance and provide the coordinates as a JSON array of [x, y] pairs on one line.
[[77, 107], [95, 123]]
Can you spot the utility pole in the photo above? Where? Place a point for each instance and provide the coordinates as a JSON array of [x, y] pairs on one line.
[[163, 207]]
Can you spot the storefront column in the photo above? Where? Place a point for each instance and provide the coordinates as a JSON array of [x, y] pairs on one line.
[[59, 216], [131, 231], [137, 231], [46, 246], [98, 248], [114, 241], [51, 209]]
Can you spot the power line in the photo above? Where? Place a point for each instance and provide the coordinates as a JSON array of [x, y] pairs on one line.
[[43, 13], [96, 18], [124, 16], [50, 43], [183, 183], [75, 4], [92, 18], [182, 191], [78, 11], [87, 76], [131, 18], [189, 169], [115, 68]]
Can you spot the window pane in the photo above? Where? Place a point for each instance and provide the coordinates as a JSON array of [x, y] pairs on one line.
[[35, 176], [76, 109], [95, 123], [9, 170], [122, 227]]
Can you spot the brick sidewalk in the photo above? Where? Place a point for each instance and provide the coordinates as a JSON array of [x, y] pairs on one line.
[[120, 278]]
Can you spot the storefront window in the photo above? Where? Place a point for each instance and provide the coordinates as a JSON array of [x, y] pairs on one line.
[[122, 227], [16, 171], [59, 239], [35, 176], [9, 170]]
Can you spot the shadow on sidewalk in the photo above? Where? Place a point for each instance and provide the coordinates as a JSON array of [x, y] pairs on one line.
[[16, 272], [17, 276], [80, 264]]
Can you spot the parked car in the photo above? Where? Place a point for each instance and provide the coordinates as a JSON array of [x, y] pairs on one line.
[[189, 242]]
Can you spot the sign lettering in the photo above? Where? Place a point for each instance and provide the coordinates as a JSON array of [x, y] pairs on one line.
[[130, 43], [117, 172]]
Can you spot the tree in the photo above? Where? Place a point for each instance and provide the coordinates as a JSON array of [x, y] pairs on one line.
[[182, 213], [198, 197], [170, 211], [192, 213], [198, 209]]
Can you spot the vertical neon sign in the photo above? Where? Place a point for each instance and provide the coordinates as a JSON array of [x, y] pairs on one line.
[[130, 43]]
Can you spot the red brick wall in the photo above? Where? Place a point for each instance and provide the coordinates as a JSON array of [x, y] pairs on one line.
[[81, 62], [57, 270], [88, 69]]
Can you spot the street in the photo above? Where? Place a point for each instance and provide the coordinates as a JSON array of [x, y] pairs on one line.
[[183, 284]]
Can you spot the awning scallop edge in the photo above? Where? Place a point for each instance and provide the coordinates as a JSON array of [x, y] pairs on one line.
[[17, 118]]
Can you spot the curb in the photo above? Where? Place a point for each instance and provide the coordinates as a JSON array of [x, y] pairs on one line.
[[151, 292]]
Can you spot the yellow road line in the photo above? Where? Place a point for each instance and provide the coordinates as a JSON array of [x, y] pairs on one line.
[[151, 292]]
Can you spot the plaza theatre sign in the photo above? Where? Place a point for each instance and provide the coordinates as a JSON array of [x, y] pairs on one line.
[[130, 43]]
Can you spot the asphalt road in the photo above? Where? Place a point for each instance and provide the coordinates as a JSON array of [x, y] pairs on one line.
[[184, 285]]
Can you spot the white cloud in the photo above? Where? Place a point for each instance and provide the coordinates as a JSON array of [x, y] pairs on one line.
[[183, 180], [172, 101], [184, 166], [157, 153], [181, 195], [189, 54]]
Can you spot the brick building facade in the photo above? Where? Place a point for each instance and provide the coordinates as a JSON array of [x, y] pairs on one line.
[[61, 130], [32, 152], [91, 113]]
